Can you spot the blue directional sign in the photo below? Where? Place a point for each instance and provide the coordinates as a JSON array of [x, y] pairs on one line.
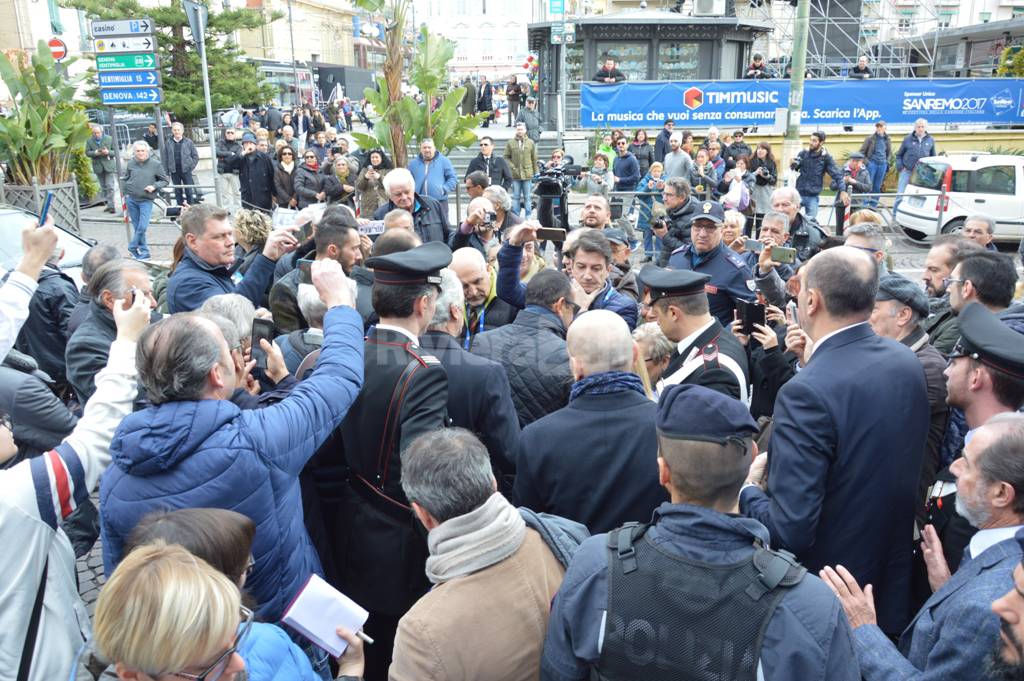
[[131, 95], [128, 78]]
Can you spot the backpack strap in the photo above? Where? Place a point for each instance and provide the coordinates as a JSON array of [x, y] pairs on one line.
[[33, 626], [620, 543], [775, 569]]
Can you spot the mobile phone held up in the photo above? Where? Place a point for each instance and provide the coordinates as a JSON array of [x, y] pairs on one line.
[[262, 329], [783, 255], [750, 313], [46, 208], [551, 234], [753, 245], [305, 267]]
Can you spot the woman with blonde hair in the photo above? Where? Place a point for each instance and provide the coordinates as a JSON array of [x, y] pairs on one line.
[[252, 227]]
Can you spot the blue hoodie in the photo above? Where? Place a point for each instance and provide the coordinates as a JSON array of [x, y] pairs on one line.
[[210, 454]]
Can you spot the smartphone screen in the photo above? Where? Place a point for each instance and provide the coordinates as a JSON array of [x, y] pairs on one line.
[[791, 307], [550, 234], [305, 267], [261, 329], [753, 245]]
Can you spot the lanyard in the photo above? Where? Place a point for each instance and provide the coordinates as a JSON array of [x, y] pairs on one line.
[[479, 327]]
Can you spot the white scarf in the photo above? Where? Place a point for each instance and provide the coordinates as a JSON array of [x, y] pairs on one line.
[[474, 541]]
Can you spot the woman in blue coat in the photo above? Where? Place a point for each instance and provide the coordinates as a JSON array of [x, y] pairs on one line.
[[648, 190]]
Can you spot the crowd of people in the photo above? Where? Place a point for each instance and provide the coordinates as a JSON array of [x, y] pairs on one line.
[[752, 451]]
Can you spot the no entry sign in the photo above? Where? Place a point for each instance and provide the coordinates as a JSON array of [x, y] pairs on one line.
[[58, 49]]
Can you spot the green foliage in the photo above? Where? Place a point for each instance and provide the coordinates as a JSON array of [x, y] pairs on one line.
[[1011, 63], [1005, 151], [45, 128], [445, 125], [81, 168], [232, 81]]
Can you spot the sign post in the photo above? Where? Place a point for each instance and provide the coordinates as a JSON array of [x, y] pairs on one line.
[[197, 15], [58, 49]]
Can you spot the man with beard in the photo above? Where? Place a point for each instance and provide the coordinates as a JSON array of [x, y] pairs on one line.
[[680, 207], [1006, 662], [953, 632], [945, 254]]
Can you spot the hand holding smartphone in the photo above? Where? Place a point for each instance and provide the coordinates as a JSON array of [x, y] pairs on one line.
[[262, 329]]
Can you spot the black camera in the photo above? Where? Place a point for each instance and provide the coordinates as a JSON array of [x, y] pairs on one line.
[[490, 217]]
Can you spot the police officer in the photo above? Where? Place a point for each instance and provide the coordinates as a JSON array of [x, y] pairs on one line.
[[695, 594], [706, 353], [988, 351], [731, 278], [377, 543]]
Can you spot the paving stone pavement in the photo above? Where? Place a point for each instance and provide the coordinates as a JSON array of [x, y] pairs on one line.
[[90, 571]]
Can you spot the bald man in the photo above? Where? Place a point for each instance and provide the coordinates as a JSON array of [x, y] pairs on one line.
[[849, 436], [609, 474], [477, 230], [484, 309]]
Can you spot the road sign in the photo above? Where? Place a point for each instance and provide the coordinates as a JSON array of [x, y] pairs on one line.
[[58, 49], [103, 29], [130, 44], [129, 79], [126, 62], [556, 7], [131, 95]]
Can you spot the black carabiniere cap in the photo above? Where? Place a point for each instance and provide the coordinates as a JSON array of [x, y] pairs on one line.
[[666, 283], [421, 265], [693, 412], [985, 338]]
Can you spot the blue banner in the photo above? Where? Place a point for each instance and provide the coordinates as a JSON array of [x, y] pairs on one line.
[[826, 102]]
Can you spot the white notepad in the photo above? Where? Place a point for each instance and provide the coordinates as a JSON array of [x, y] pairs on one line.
[[319, 609]]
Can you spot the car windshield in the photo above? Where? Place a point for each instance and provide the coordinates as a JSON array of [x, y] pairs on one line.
[[928, 174], [12, 221]]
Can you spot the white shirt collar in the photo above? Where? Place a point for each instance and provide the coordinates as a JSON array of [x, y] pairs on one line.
[[398, 329], [686, 342], [824, 338], [986, 539]]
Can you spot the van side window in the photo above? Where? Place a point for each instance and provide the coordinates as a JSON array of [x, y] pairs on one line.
[[996, 180], [961, 181]]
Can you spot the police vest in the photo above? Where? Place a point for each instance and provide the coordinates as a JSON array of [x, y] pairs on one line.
[[673, 619]]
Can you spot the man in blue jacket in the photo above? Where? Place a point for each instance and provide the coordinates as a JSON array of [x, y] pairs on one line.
[[694, 594], [625, 172], [812, 163], [435, 177], [204, 269], [194, 449], [917, 145], [589, 269], [845, 456]]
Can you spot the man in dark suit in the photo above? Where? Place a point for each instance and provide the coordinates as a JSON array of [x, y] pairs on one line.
[[706, 353], [379, 551], [484, 309], [845, 456], [595, 460], [479, 396]]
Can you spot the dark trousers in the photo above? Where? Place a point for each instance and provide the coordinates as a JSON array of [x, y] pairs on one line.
[[190, 194], [513, 111], [487, 121]]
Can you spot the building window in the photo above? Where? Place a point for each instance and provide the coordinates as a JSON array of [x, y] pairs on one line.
[[945, 19], [905, 22], [1016, 12], [985, 17]]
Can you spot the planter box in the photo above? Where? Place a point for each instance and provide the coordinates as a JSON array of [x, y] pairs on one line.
[[64, 209]]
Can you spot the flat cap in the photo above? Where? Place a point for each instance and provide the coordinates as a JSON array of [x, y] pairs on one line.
[[666, 283], [985, 338], [420, 265], [693, 412], [710, 210], [856, 155], [899, 288], [616, 236], [247, 136]]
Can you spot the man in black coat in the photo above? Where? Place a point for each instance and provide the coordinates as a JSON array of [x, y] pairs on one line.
[[255, 174], [485, 101], [706, 353], [430, 218], [91, 261], [479, 396], [845, 455], [595, 460], [491, 164], [39, 420], [532, 348], [484, 309], [680, 207], [379, 548], [661, 143], [44, 336], [608, 73]]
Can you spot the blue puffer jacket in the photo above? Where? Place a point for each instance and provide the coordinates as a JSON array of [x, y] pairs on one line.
[[210, 454], [195, 280], [438, 174], [271, 656]]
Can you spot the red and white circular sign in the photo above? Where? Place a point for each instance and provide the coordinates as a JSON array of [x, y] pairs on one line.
[[57, 48]]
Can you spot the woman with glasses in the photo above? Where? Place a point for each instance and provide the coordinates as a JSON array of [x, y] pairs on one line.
[[309, 181], [370, 183], [284, 178], [339, 183]]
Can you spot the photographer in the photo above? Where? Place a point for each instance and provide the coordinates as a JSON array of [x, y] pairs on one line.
[[477, 231], [858, 181], [674, 228], [597, 180]]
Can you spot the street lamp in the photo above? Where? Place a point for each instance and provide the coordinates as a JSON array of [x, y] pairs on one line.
[[291, 36]]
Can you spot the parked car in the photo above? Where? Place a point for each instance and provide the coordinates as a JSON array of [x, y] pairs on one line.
[[945, 190]]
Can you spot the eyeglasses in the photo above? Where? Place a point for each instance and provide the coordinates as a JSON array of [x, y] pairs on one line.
[[866, 249], [572, 306], [216, 670], [950, 280], [288, 153], [250, 565], [707, 229], [309, 157]]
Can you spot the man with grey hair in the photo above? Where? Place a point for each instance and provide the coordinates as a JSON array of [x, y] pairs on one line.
[[89, 347], [502, 202], [484, 309], [398, 218], [298, 344], [609, 476], [180, 158], [237, 309], [868, 237], [804, 231], [143, 178], [91, 261], [479, 395], [680, 207], [478, 229], [100, 150], [981, 229], [430, 217], [493, 573], [916, 145]]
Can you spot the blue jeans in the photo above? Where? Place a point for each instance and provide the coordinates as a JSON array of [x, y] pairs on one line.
[[521, 192], [901, 187], [877, 171], [810, 206], [139, 213]]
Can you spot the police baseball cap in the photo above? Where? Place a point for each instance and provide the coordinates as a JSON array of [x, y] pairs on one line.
[[666, 283], [983, 337], [899, 288], [420, 265], [616, 236], [693, 412], [710, 210]]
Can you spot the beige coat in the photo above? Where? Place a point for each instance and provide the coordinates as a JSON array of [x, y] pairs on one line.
[[486, 626]]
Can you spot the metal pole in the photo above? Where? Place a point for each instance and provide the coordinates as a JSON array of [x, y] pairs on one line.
[[160, 129], [118, 169], [201, 39], [791, 145], [562, 88], [295, 71]]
